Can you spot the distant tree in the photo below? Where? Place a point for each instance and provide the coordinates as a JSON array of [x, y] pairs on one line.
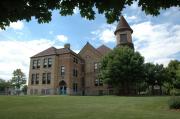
[[4, 85], [156, 75], [174, 71], [13, 10], [18, 79], [123, 69]]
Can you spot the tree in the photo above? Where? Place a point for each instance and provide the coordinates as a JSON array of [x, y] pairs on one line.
[[11, 11], [155, 75], [18, 79], [123, 69], [4, 86], [174, 72]]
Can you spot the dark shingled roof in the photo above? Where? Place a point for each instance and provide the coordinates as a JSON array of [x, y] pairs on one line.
[[103, 49], [49, 51], [54, 51], [123, 25]]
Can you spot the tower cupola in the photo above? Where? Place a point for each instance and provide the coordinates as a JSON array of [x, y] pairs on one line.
[[123, 33]]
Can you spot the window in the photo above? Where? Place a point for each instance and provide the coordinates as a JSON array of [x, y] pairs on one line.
[[38, 63], [47, 91], [75, 87], [62, 70], [44, 78], [123, 38], [98, 82], [43, 92], [49, 62], [34, 64], [95, 66], [35, 91], [31, 91], [37, 78], [75, 60], [75, 72], [83, 82], [33, 78], [45, 63], [48, 78]]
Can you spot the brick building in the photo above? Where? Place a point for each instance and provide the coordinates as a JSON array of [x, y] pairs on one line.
[[62, 71]]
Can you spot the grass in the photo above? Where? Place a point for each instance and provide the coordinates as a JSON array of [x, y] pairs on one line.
[[85, 107]]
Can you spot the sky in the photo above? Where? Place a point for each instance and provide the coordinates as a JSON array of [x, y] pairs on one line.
[[156, 38]]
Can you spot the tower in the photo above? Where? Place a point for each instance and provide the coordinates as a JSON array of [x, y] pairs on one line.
[[123, 34]]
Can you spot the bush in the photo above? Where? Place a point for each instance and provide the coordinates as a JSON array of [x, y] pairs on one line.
[[175, 92], [174, 102]]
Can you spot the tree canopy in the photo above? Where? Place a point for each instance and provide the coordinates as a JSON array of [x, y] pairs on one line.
[[174, 72], [122, 68], [18, 78], [14, 10]]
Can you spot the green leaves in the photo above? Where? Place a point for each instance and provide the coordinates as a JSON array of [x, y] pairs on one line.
[[12, 11], [18, 78], [122, 66]]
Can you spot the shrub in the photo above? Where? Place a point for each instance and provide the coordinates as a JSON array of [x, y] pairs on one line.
[[175, 92], [174, 102]]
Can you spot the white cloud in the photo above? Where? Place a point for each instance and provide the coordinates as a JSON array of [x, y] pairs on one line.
[[17, 25], [105, 33], [76, 10], [16, 54], [132, 19], [62, 38], [157, 42]]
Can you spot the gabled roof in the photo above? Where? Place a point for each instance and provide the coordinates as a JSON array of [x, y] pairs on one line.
[[88, 45], [54, 51], [103, 49], [49, 51], [123, 25]]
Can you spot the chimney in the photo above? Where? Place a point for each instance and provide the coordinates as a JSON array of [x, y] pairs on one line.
[[67, 45]]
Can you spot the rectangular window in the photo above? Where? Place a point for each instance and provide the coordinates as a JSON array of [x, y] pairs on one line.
[[35, 91], [45, 63], [98, 82], [62, 70], [75, 60], [75, 72], [47, 91], [83, 82], [43, 91], [31, 91], [34, 64], [95, 66], [44, 78], [38, 64], [37, 78], [33, 78], [49, 62], [75, 88], [123, 38], [48, 78]]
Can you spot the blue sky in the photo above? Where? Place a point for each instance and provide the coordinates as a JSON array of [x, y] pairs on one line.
[[156, 38]]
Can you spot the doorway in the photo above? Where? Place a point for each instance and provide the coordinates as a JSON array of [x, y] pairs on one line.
[[62, 88]]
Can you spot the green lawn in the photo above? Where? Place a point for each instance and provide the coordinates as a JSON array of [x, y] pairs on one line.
[[85, 107]]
